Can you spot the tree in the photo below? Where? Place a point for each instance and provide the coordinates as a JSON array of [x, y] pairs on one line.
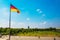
[[52, 29]]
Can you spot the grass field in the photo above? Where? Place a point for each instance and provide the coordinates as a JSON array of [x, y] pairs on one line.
[[40, 33], [48, 32]]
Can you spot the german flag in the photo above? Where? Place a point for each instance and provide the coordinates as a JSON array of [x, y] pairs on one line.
[[14, 9]]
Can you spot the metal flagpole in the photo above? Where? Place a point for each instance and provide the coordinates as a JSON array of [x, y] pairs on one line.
[[10, 23]]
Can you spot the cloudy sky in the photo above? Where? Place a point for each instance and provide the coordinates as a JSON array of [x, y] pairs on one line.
[[33, 13]]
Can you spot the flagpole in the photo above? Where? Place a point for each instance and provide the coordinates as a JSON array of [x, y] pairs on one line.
[[10, 23]]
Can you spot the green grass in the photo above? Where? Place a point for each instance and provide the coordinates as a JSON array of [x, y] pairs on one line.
[[40, 33]]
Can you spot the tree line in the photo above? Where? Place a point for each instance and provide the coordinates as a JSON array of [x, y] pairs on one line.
[[15, 31]]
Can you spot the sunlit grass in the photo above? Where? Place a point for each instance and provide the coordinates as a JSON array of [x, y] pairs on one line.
[[40, 33]]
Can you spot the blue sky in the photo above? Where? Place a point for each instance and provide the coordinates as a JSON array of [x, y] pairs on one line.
[[35, 13]]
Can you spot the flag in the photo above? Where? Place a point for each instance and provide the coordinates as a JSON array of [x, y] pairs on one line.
[[14, 9]]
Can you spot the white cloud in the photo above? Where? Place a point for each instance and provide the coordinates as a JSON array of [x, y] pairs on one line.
[[38, 10], [22, 24], [25, 25], [28, 19], [44, 22]]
